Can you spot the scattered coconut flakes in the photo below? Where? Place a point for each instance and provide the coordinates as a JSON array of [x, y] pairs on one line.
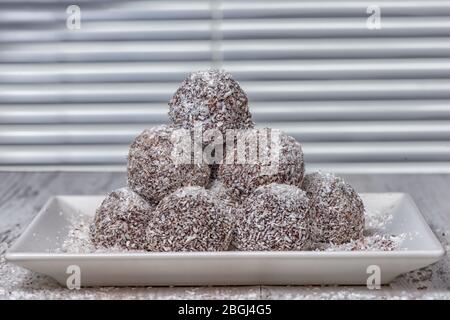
[[375, 242], [78, 239], [377, 220], [375, 236]]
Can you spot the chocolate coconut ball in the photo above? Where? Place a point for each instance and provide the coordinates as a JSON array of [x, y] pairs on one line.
[[287, 168], [153, 169], [121, 220], [273, 217], [218, 189], [190, 219], [213, 99], [338, 215]]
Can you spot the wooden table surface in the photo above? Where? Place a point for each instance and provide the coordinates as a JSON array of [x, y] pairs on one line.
[[22, 194]]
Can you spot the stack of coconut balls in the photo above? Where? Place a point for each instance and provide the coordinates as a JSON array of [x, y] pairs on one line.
[[171, 205]]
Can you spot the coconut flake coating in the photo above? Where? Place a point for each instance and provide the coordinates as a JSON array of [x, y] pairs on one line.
[[152, 171], [242, 179], [274, 217], [121, 220], [191, 219], [211, 98], [338, 215], [224, 194]]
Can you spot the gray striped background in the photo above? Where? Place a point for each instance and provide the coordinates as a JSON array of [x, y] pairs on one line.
[[359, 100]]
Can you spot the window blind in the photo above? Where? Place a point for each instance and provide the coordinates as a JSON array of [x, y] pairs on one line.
[[359, 99]]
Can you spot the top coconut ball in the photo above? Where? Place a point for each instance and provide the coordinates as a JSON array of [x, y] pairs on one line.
[[212, 99]]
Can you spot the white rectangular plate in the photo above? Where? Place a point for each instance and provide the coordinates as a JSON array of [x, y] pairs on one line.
[[35, 249]]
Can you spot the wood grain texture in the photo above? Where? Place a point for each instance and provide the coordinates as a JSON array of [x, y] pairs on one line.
[[22, 194]]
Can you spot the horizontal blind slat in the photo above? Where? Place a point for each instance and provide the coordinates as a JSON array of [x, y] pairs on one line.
[[232, 50], [107, 51], [303, 132], [287, 111], [330, 48], [314, 152], [376, 151], [172, 10], [235, 29], [242, 70], [258, 9], [430, 167], [257, 91]]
